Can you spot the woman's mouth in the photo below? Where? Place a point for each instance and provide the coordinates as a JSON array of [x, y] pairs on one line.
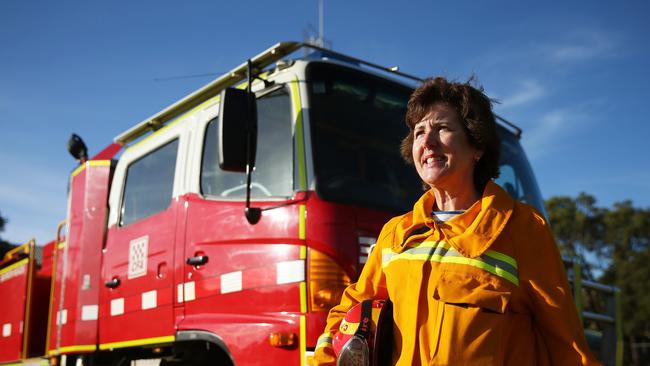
[[431, 160]]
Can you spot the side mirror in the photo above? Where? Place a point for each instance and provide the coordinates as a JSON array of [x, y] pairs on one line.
[[237, 130], [77, 148]]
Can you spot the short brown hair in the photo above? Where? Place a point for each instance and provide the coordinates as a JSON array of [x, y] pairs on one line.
[[474, 109]]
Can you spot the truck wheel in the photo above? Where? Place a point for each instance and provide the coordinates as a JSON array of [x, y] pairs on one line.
[[197, 354]]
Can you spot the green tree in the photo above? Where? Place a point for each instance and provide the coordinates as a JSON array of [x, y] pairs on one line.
[[4, 245], [577, 225], [627, 234], [620, 237]]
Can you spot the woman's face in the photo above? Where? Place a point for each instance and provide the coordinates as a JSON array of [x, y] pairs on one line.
[[443, 157]]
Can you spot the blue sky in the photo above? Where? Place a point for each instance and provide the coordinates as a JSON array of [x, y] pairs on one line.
[[573, 75]]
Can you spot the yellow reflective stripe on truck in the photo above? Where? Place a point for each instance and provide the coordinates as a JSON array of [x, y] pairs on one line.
[[138, 342], [71, 349], [297, 108], [13, 266], [303, 340], [81, 167]]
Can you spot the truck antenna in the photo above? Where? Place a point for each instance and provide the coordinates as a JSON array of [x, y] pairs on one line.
[[321, 23], [309, 33]]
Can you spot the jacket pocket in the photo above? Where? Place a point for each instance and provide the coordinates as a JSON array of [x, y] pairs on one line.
[[472, 320]]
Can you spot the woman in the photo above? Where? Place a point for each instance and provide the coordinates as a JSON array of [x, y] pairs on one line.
[[474, 276]]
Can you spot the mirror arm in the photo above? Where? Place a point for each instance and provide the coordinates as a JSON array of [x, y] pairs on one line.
[[266, 82], [253, 214]]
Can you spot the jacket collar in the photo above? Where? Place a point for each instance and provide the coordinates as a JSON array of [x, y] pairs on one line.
[[470, 233]]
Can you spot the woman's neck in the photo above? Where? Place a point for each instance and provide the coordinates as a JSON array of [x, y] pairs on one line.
[[447, 200]]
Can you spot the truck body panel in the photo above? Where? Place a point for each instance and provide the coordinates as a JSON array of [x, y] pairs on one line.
[[25, 286], [75, 297], [14, 280]]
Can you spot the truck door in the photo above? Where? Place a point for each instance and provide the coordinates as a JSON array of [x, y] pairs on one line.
[[137, 292], [246, 278]]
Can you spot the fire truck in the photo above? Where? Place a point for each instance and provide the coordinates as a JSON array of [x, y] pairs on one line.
[[221, 230]]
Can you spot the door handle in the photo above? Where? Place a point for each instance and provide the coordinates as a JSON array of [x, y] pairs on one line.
[[197, 260], [112, 283]]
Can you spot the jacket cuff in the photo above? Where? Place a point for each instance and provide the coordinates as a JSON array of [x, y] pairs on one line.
[[324, 353]]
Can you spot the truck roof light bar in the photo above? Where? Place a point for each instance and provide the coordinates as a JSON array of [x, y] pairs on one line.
[[514, 127], [391, 70]]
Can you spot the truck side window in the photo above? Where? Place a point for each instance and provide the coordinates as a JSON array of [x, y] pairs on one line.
[[273, 175], [149, 184], [516, 176]]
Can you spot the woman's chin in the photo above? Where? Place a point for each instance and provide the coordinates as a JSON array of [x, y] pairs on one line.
[[433, 179]]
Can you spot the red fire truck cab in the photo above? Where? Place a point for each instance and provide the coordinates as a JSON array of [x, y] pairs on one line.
[[159, 263]]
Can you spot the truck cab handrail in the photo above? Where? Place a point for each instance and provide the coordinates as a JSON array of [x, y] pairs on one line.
[[271, 55]]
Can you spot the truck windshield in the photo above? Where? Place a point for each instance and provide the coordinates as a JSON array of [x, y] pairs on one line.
[[357, 124]]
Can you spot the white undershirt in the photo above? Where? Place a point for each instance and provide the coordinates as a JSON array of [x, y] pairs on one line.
[[443, 216]]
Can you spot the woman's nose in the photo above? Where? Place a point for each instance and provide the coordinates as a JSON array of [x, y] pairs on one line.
[[430, 138]]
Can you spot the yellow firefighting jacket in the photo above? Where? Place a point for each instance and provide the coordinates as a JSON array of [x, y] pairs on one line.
[[487, 287]]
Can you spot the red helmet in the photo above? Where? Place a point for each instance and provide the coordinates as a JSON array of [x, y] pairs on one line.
[[365, 335]]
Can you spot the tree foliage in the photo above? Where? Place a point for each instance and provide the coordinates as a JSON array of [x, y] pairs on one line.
[[3, 222], [4, 245], [578, 226], [615, 245]]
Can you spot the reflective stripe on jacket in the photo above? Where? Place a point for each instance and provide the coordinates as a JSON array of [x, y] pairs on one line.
[[487, 287]]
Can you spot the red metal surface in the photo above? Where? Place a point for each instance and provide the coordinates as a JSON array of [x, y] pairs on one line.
[[13, 282], [244, 317], [40, 293], [109, 152], [315, 323], [247, 335], [55, 298], [45, 269], [141, 319], [334, 229], [78, 262]]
